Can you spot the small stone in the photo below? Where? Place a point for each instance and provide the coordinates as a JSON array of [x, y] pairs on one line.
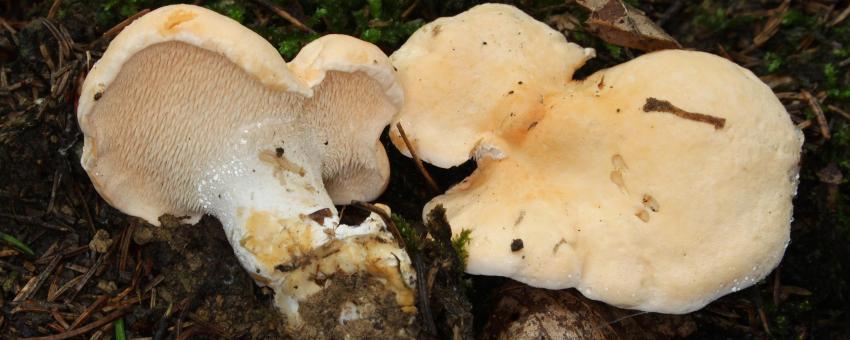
[[142, 235], [107, 286], [100, 242]]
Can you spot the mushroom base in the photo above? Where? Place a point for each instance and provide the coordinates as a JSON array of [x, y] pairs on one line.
[[374, 258], [358, 306]]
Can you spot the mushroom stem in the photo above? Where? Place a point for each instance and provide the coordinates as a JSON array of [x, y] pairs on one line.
[[285, 230]]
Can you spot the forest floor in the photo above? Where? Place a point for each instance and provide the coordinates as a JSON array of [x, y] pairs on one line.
[[70, 262]]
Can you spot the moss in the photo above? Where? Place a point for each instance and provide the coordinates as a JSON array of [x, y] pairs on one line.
[[460, 242], [233, 9], [842, 93], [830, 72], [408, 232], [615, 51], [772, 62], [793, 18]]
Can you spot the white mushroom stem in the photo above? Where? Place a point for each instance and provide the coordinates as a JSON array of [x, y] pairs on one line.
[[287, 249]]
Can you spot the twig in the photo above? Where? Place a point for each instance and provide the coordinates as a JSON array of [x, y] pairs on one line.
[[659, 105], [125, 246], [162, 324], [409, 9], [89, 219], [804, 124], [61, 290], [87, 276], [85, 329], [843, 15], [32, 221], [771, 27], [286, 16], [424, 295], [776, 285], [839, 111], [33, 285], [56, 316], [57, 178], [88, 312], [759, 309], [120, 26], [821, 119], [384, 216], [416, 159], [53, 9]]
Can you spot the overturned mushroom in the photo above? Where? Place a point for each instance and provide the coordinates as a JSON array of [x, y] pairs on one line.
[[659, 184], [189, 113]]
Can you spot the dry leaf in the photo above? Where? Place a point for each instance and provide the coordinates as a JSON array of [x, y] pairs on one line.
[[620, 24]]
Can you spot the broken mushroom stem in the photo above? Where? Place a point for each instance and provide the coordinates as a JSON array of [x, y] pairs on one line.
[[284, 245]]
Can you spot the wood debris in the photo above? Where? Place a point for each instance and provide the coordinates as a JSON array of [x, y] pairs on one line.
[[618, 23], [814, 103], [658, 105]]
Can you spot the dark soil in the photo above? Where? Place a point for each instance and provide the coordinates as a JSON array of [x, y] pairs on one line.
[[183, 281]]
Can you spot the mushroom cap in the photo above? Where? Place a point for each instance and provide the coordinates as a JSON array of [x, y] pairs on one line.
[[478, 67], [634, 206], [179, 91]]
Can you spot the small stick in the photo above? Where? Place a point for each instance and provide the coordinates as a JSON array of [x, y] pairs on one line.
[[33, 221], [89, 219], [120, 26], [57, 178], [776, 286], [32, 286], [821, 119], [424, 295], [88, 275], [85, 329], [839, 111], [59, 319], [51, 297], [286, 16], [125, 246], [658, 105], [804, 124], [88, 312], [416, 159], [384, 216], [53, 9], [841, 16], [410, 9]]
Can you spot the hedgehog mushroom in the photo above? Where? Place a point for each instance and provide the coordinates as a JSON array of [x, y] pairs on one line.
[[190, 113], [659, 184]]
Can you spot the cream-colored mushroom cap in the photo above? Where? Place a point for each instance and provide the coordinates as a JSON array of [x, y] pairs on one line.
[[659, 184], [478, 66], [189, 113]]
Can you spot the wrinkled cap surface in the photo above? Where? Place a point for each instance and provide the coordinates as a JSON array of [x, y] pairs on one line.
[[659, 184], [183, 91]]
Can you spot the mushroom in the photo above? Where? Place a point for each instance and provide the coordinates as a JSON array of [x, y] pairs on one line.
[[659, 184], [189, 113]]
